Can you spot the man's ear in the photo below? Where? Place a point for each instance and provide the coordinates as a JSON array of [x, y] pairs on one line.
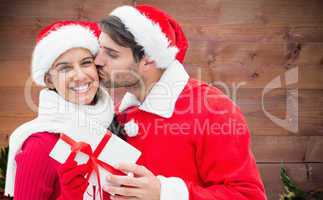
[[147, 63], [48, 81]]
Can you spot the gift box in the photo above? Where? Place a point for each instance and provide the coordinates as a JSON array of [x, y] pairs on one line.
[[102, 151]]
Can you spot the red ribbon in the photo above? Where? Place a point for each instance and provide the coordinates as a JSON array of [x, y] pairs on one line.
[[93, 161]]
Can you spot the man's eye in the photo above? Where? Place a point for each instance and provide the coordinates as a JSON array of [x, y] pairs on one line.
[[112, 55]]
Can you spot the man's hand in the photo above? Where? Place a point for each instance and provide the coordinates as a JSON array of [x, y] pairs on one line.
[[144, 185]]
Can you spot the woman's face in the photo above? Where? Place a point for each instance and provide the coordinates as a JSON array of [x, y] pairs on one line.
[[74, 76]]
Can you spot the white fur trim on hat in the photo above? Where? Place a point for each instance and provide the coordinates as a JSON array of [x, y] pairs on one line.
[[147, 34], [57, 42]]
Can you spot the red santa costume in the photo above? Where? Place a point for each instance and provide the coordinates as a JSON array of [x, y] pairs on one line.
[[190, 134], [31, 172]]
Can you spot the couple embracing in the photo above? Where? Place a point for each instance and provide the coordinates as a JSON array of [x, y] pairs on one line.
[[190, 147]]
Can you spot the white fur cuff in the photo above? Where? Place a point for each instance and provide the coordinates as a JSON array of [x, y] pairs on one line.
[[173, 188]]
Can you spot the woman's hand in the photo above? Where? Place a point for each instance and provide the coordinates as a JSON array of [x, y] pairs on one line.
[[72, 181], [144, 185]]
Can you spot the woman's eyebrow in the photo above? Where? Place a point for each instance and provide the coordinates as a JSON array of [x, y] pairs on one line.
[[89, 57], [61, 63]]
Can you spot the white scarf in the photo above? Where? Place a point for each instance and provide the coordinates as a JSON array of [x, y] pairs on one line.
[[56, 115]]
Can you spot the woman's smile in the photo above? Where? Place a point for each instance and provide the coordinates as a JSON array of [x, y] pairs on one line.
[[81, 89]]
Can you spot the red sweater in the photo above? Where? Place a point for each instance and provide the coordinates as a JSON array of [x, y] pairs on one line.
[[36, 175], [205, 142]]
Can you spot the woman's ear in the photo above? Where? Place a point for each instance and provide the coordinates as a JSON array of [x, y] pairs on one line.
[[48, 81]]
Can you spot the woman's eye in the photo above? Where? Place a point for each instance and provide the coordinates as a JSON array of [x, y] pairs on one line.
[[87, 63], [64, 69]]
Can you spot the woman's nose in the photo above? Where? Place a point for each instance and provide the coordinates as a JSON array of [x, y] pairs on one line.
[[79, 74]]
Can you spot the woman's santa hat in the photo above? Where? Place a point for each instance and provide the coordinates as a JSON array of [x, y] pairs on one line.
[[59, 37], [160, 35]]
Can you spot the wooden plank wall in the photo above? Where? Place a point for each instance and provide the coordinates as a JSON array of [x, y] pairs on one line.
[[246, 42]]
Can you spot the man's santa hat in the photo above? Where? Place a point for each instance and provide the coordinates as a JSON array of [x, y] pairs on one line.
[[160, 35], [57, 38]]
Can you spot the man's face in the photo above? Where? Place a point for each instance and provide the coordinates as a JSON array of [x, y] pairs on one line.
[[117, 67]]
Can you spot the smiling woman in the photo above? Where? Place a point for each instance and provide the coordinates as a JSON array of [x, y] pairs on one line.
[[62, 62], [74, 76]]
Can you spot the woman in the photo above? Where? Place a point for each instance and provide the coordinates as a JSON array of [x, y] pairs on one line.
[[63, 62]]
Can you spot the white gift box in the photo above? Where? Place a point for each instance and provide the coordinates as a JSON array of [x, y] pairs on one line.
[[115, 151]]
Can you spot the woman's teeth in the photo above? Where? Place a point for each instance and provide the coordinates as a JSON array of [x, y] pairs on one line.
[[81, 88]]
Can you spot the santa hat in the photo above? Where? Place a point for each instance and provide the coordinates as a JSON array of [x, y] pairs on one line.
[[160, 35], [59, 37]]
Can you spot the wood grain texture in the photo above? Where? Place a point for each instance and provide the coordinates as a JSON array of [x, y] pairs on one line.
[[238, 46], [252, 102], [263, 12]]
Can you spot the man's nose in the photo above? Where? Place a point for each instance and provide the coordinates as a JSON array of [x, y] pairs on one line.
[[99, 59]]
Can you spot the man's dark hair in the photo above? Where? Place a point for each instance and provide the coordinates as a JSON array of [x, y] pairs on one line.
[[114, 27], [117, 129]]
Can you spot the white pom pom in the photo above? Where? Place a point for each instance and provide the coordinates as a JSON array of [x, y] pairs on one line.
[[131, 128]]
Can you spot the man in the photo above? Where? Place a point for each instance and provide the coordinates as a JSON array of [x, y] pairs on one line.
[[191, 136]]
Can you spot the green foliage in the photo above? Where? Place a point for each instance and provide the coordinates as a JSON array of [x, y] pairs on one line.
[[3, 165], [293, 192]]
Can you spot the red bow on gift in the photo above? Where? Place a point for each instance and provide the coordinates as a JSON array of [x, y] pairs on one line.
[[93, 161]]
